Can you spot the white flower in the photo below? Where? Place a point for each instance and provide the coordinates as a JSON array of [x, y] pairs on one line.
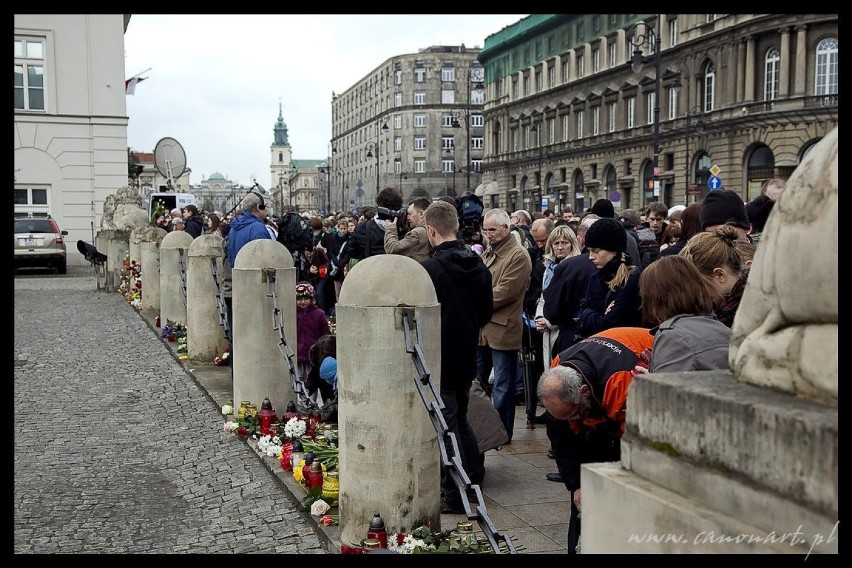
[[295, 427], [227, 409], [230, 426], [319, 508]]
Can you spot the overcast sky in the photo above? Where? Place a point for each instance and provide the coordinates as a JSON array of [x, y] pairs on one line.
[[216, 80]]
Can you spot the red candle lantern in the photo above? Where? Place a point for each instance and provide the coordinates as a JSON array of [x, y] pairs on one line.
[[378, 531], [290, 412], [265, 417], [306, 469], [315, 476]]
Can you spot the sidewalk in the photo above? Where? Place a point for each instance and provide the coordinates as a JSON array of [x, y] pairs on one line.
[[519, 499]]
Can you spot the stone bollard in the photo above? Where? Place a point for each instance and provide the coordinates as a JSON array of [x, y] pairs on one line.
[[116, 249], [173, 248], [260, 369], [150, 258], [135, 245], [389, 455], [207, 339]]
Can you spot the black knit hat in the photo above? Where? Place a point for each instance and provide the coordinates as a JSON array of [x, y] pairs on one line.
[[723, 206], [603, 208], [607, 234]]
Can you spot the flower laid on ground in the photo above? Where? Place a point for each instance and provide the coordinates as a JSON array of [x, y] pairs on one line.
[[244, 427], [224, 360], [227, 409], [319, 508], [173, 331], [231, 426], [131, 281], [269, 445], [328, 520], [295, 428]]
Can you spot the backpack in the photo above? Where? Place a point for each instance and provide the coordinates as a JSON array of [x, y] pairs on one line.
[[294, 232], [649, 249], [470, 208]]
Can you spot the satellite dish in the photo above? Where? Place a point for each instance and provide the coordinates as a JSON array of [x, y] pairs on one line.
[[169, 159]]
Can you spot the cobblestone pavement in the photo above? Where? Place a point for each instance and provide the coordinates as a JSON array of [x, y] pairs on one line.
[[117, 450]]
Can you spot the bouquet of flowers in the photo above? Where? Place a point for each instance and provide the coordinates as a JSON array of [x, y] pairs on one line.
[[131, 281]]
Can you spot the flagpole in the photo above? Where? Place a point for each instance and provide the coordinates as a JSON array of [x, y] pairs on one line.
[[145, 71]]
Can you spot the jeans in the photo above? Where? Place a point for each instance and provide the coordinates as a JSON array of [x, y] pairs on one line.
[[506, 377], [455, 415]]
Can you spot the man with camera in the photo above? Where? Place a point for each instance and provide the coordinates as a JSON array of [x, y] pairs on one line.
[[369, 236], [415, 243]]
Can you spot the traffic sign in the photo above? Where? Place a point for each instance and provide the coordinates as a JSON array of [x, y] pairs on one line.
[[714, 169], [714, 182]]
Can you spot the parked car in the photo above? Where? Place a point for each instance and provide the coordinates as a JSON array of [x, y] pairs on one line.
[[39, 242]]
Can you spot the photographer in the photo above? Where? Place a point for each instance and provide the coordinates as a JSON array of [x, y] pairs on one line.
[[369, 236], [415, 243]]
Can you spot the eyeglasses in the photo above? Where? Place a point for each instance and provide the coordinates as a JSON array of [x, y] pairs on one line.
[[489, 230]]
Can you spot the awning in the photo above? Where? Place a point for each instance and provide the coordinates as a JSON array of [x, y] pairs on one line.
[[492, 188], [480, 190]]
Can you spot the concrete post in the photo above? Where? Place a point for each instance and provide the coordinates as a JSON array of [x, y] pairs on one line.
[[172, 300], [117, 247], [150, 258], [260, 369], [389, 455], [135, 246], [205, 337]]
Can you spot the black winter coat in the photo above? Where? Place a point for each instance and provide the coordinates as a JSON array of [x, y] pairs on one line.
[[593, 316], [463, 287]]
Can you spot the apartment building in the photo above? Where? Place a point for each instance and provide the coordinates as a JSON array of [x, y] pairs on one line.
[[575, 107], [415, 123]]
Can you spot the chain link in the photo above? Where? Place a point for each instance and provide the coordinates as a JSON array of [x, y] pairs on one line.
[[182, 264], [221, 306], [432, 400]]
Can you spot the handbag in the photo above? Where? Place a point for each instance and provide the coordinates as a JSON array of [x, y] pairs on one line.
[[484, 420]]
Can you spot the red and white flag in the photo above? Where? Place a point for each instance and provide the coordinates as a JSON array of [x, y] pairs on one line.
[[130, 84]]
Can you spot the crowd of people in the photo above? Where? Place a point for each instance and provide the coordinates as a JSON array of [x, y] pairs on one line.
[[558, 312]]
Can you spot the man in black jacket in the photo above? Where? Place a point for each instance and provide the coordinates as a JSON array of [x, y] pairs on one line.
[[463, 287], [193, 220], [369, 236]]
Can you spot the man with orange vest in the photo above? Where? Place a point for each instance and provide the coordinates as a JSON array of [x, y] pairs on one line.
[[585, 394]]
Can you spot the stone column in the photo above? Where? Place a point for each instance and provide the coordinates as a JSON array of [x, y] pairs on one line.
[[116, 249], [150, 257], [784, 70], [389, 455], [206, 339], [801, 66], [260, 368], [173, 250]]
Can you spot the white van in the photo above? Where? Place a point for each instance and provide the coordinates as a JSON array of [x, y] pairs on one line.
[[169, 201]]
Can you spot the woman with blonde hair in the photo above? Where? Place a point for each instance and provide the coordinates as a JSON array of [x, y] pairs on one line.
[[561, 244], [687, 336], [716, 257]]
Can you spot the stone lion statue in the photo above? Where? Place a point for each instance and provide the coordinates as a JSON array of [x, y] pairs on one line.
[[124, 210], [785, 331]]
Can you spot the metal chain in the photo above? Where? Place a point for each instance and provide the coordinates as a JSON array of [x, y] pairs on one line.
[[304, 401], [182, 264], [432, 400], [220, 301]]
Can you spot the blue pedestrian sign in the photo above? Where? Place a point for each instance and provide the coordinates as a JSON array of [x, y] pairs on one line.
[[714, 182]]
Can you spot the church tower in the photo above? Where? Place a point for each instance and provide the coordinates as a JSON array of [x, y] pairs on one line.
[[281, 160]]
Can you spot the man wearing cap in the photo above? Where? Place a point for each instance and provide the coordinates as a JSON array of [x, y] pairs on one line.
[[725, 207]]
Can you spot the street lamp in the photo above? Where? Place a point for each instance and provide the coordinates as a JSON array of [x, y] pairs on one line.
[[475, 82], [281, 191], [651, 38], [537, 129], [370, 148], [290, 177], [402, 176], [699, 125], [448, 151]]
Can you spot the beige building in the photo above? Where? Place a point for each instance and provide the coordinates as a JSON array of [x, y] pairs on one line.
[[414, 123], [70, 125], [739, 98]]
